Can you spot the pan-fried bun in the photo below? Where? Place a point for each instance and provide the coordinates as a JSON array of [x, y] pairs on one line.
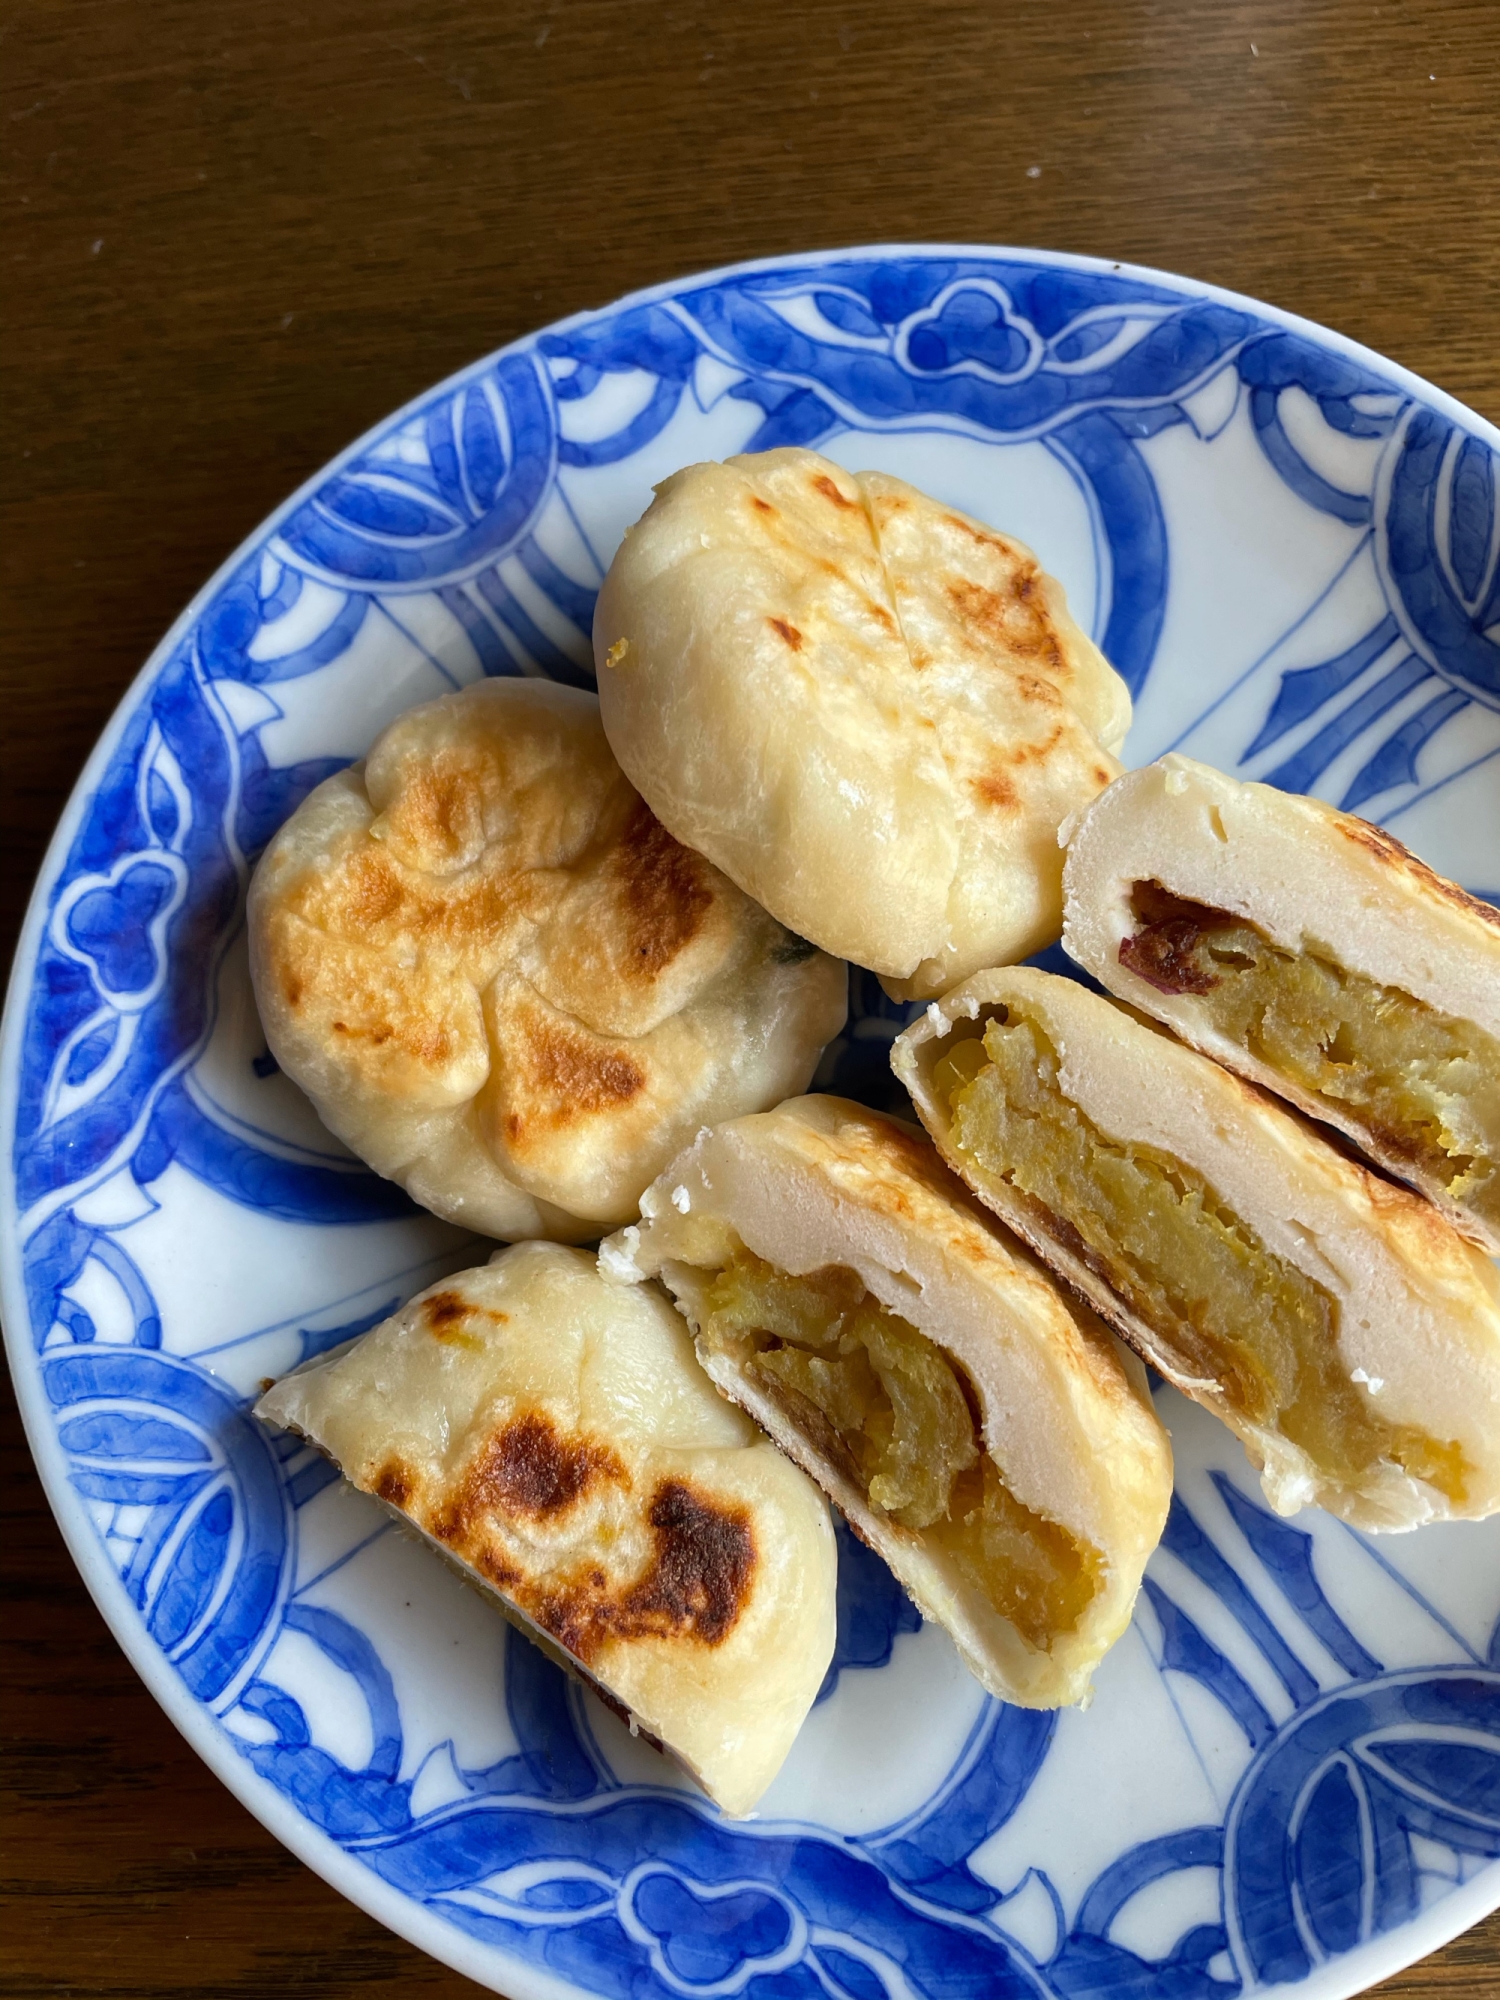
[[1345, 1331], [869, 710], [504, 984], [553, 1436], [1311, 952], [993, 1444]]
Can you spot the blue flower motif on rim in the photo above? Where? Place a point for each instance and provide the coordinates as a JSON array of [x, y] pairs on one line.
[[698, 1936], [972, 325], [116, 925]]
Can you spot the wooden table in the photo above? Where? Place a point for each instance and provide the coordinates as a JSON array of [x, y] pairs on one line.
[[238, 233]]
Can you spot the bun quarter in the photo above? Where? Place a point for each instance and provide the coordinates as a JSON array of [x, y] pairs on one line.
[[504, 984], [1309, 951], [1340, 1327], [552, 1435], [869, 710], [995, 1447]]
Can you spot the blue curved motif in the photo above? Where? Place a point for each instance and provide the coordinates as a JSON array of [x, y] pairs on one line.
[[1318, 1842], [489, 461], [460, 539], [208, 1565], [1437, 559]]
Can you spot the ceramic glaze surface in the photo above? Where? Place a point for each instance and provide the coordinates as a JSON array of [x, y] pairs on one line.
[[1291, 1771]]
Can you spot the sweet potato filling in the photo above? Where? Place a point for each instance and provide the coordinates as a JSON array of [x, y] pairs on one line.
[[1426, 1085], [895, 1415], [1219, 1303]]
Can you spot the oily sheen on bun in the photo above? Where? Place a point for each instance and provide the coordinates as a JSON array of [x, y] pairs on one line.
[[504, 984], [1346, 1332], [991, 1442], [871, 711], [1311, 952], [552, 1435]]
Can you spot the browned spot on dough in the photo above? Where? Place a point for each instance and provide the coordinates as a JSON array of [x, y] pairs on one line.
[[1043, 693], [422, 1036], [448, 1314], [705, 1558], [529, 1468], [667, 892], [788, 632], [1014, 622], [445, 1310], [983, 536], [439, 810], [1384, 847], [995, 787], [1101, 776], [292, 988], [568, 1075], [764, 506], [996, 790], [695, 1588], [373, 891], [824, 485], [502, 1574], [897, 1161], [370, 899], [394, 1483]]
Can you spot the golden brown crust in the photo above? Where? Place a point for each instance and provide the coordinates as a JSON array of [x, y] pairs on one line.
[[699, 1575], [666, 891], [486, 926], [1385, 849]]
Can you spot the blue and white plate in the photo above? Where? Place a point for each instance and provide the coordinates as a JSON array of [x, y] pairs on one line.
[[1291, 1771]]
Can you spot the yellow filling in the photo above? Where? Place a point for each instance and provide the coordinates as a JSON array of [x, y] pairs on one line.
[[1222, 1306], [885, 1405], [1424, 1084]]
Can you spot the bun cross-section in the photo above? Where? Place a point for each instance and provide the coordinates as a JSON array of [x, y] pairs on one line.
[[1346, 1332], [1310, 951], [993, 1444]]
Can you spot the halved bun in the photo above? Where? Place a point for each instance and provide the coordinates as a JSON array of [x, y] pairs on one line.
[[822, 1192], [1384, 1321], [1381, 979]]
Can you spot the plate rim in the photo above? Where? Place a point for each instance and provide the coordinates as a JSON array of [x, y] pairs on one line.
[[1341, 1978]]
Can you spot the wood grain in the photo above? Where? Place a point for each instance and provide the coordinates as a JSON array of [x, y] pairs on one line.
[[238, 234]]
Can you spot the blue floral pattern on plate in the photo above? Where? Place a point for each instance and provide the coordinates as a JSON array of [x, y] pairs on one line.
[[1291, 1772]]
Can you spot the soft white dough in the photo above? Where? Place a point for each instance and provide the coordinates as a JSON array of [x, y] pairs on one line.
[[554, 1437], [504, 984], [871, 711]]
